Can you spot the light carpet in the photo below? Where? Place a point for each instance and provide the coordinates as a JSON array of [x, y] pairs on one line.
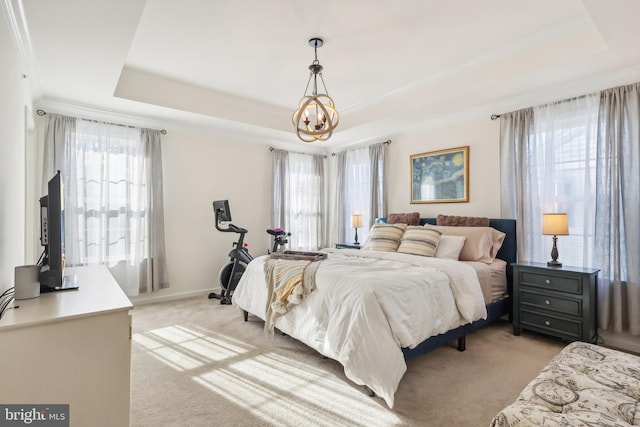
[[197, 363]]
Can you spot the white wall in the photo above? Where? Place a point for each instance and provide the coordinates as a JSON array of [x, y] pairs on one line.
[[482, 135], [13, 105], [197, 170]]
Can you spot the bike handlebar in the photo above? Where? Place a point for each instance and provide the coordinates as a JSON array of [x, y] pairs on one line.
[[231, 229]]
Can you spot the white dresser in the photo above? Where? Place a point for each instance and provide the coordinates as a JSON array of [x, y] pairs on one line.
[[71, 347]]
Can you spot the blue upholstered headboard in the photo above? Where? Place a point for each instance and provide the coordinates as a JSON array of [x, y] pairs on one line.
[[509, 250]]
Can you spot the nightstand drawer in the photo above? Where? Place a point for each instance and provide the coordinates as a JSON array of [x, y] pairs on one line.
[[556, 282], [536, 300], [550, 324]]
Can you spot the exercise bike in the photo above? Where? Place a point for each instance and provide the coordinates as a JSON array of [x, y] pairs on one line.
[[279, 238], [239, 256]]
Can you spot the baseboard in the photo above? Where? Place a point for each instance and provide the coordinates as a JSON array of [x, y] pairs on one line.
[[155, 298], [621, 341]]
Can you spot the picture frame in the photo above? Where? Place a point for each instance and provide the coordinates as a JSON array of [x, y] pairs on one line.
[[440, 176]]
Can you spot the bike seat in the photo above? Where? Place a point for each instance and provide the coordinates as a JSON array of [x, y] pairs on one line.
[[276, 231]]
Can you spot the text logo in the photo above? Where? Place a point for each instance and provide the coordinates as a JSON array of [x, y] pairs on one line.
[[34, 415]]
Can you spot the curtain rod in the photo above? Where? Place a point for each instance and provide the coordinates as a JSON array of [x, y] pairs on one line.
[[387, 142], [41, 112], [297, 152]]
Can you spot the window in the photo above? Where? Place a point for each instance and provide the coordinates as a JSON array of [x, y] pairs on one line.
[[113, 198], [363, 189], [560, 175], [298, 204]]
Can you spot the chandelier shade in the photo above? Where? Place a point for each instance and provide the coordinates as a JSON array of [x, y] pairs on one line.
[[316, 116]]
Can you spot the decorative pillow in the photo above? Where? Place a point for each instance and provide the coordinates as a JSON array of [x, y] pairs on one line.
[[450, 247], [481, 243], [412, 218], [464, 221], [384, 237], [418, 240]]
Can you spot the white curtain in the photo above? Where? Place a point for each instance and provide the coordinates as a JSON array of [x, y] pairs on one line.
[[113, 199], [298, 198]]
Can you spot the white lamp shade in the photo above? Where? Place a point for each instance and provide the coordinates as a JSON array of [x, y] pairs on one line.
[[356, 220], [555, 224]]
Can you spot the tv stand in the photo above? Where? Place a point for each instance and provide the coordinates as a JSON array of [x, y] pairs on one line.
[[71, 348], [69, 281]]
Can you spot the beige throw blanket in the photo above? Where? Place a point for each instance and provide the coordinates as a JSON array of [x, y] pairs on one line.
[[288, 283]]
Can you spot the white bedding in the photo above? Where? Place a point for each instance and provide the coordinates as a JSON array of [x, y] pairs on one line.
[[367, 305]]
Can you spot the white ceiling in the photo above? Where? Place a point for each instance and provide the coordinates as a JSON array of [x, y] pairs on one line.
[[240, 66]]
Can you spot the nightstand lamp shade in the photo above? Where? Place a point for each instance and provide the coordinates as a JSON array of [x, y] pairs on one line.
[[555, 224], [356, 222]]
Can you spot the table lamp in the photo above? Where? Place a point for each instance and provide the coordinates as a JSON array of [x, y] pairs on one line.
[[356, 221], [555, 224]]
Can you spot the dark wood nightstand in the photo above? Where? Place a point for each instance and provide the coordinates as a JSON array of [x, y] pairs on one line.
[[558, 301], [347, 246]]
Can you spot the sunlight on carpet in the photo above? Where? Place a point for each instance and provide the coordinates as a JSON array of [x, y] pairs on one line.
[[264, 382], [183, 348], [273, 387]]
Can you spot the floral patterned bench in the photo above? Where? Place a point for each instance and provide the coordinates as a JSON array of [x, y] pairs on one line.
[[583, 385]]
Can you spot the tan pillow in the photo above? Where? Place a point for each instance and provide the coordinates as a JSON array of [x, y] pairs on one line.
[[481, 243], [418, 240], [412, 218], [384, 237], [462, 221]]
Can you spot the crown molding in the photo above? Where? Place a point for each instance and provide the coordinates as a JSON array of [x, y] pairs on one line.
[[14, 14]]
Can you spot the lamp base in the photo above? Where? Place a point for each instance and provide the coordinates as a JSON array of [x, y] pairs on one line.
[[554, 263]]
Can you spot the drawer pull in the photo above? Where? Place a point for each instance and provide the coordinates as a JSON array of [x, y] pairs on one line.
[[547, 281], [547, 302], [546, 322]]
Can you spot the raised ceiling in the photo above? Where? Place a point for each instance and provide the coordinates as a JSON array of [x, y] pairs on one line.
[[240, 67]]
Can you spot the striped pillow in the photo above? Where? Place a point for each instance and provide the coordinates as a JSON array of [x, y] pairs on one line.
[[385, 237], [420, 241]]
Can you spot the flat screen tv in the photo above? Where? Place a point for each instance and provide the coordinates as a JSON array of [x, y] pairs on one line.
[[52, 277]]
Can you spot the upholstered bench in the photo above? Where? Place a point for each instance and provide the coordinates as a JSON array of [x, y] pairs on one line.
[[583, 385]]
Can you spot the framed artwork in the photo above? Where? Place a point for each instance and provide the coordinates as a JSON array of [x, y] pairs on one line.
[[440, 176]]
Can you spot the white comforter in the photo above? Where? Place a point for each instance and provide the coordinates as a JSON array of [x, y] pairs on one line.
[[367, 305]]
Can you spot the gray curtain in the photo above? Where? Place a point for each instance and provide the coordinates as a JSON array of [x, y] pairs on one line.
[[516, 130], [280, 177], [378, 182], [339, 213], [617, 246], [58, 131], [154, 276]]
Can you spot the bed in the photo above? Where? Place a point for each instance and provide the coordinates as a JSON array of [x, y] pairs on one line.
[[372, 310]]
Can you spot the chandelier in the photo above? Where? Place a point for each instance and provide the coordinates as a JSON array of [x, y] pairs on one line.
[[316, 116]]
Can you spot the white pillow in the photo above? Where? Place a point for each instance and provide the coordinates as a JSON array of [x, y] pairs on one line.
[[450, 247]]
